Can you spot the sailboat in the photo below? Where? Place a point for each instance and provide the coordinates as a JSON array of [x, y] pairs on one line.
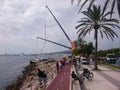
[[36, 59]]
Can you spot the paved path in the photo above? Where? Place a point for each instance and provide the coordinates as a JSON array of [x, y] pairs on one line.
[[62, 80], [106, 79]]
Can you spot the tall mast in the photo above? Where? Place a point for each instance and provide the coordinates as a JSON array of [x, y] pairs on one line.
[[54, 42], [45, 31], [71, 43]]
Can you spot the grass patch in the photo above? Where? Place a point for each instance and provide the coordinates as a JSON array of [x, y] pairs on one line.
[[96, 69], [112, 66]]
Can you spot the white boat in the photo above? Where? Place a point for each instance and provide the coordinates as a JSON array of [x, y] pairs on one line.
[[35, 60]]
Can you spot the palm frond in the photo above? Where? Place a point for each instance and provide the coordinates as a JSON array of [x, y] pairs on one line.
[[80, 29], [110, 31], [81, 33], [91, 3], [105, 33], [78, 2], [103, 16], [105, 6], [118, 6], [89, 14], [110, 20], [84, 20], [87, 30], [112, 25], [90, 28], [108, 34], [96, 13], [80, 25], [101, 34], [83, 5], [113, 5]]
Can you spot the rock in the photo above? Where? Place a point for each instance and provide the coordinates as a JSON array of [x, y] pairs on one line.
[[30, 73]]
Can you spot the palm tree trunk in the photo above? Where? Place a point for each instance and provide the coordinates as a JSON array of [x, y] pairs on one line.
[[96, 45]]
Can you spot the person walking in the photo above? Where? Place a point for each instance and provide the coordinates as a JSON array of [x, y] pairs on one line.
[[75, 77], [57, 67], [42, 77]]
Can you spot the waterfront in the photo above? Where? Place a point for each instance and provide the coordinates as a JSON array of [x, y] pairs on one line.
[[11, 67]]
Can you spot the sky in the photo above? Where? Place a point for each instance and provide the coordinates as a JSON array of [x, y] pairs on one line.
[[22, 21]]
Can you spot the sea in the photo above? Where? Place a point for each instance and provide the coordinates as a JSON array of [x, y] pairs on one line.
[[11, 67]]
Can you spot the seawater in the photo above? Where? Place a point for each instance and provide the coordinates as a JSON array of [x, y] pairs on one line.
[[12, 66]]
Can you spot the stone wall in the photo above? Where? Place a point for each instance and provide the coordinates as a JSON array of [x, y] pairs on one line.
[[30, 73]]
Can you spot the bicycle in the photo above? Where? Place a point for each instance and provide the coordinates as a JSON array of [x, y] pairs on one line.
[[87, 74]]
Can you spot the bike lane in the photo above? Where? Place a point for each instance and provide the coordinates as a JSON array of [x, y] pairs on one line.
[[62, 80]]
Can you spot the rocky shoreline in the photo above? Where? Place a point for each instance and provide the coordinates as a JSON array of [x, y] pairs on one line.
[[30, 74]]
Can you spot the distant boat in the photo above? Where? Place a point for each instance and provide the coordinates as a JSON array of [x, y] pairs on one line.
[[36, 59]]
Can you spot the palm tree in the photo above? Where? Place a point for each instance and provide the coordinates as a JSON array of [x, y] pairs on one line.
[[96, 20], [91, 2]]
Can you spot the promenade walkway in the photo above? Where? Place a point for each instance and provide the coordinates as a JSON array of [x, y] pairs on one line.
[[62, 80], [105, 79]]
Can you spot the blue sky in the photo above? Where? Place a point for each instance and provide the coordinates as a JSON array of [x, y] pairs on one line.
[[21, 21]]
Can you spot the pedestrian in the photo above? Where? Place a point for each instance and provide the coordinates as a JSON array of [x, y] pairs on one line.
[[60, 65], [75, 77], [91, 61], [57, 66], [62, 62], [79, 59], [42, 77]]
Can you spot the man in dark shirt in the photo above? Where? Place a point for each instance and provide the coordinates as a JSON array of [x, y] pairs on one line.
[[74, 76], [42, 77]]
